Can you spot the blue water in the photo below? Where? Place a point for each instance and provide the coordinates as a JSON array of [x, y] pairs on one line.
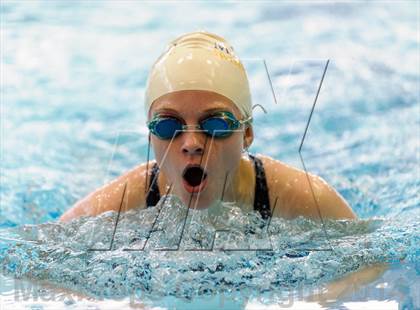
[[72, 86]]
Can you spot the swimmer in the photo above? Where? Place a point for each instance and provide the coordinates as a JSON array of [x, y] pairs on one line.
[[199, 112]]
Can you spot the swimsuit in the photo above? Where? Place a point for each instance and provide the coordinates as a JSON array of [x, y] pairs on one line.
[[261, 200]]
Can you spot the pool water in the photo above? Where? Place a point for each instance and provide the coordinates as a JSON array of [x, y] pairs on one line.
[[73, 78]]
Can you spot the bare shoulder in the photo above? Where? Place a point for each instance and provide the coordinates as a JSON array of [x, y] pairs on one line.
[[137, 175], [129, 188], [137, 180], [295, 193]]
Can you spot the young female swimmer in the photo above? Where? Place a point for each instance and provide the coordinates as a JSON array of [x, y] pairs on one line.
[[199, 113]]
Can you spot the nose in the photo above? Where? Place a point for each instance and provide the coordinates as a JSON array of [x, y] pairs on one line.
[[192, 143]]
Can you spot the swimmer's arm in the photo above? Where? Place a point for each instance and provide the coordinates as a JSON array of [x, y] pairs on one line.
[[109, 196], [295, 191], [329, 203], [349, 283]]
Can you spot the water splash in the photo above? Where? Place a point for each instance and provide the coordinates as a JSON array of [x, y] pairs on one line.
[[205, 252]]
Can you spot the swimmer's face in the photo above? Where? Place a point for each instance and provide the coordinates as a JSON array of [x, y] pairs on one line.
[[217, 156]]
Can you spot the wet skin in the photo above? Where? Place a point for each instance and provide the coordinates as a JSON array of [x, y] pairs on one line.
[[220, 157], [292, 191]]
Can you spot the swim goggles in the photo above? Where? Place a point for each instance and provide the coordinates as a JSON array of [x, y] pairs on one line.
[[218, 125]]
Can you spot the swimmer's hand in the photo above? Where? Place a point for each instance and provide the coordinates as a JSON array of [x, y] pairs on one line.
[[349, 284], [109, 196]]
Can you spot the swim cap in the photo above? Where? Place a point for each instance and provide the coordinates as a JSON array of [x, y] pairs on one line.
[[200, 61]]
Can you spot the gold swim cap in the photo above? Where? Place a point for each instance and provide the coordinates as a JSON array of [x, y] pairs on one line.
[[200, 61]]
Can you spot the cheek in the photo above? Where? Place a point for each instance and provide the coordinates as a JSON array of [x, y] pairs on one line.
[[159, 148], [165, 156], [230, 151]]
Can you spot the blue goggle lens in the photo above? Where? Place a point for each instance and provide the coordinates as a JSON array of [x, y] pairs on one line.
[[166, 128], [219, 126], [216, 126]]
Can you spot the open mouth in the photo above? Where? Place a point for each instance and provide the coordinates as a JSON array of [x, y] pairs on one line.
[[194, 178]]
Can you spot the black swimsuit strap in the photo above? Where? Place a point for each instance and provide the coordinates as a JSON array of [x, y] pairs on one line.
[[261, 199], [153, 195]]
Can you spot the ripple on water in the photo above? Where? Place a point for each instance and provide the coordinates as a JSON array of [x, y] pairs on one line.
[[246, 252]]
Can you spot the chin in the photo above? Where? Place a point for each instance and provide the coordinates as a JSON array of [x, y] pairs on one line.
[[198, 202]]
